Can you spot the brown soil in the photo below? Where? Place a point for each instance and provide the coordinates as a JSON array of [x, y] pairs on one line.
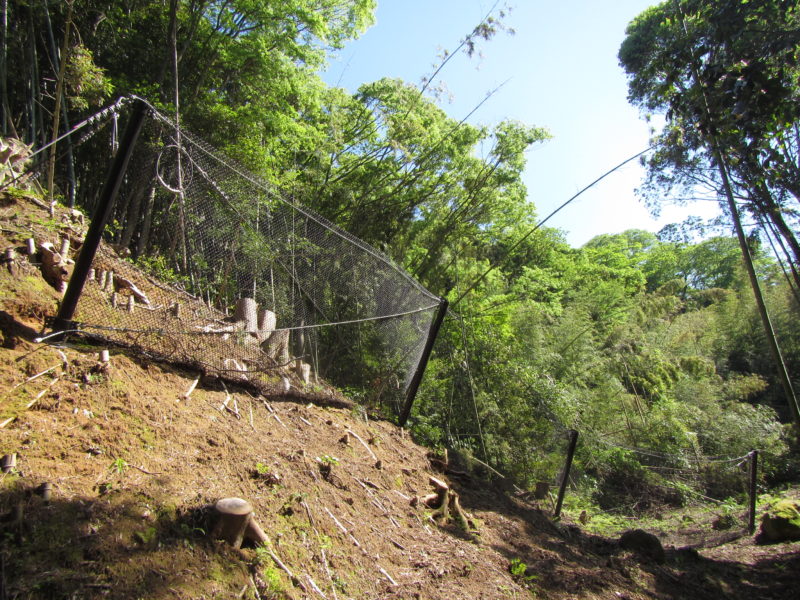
[[135, 467]]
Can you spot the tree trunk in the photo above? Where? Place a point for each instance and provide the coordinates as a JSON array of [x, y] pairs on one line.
[[62, 72], [144, 237]]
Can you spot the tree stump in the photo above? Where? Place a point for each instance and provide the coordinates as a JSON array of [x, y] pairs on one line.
[[267, 320], [9, 259], [246, 314], [8, 462], [303, 371], [447, 506], [233, 517], [277, 346], [236, 522], [54, 268], [541, 490]]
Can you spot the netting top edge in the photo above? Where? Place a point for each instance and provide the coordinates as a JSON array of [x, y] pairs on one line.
[[269, 189]]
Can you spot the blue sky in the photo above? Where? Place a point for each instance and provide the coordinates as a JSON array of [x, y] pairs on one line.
[[561, 73]]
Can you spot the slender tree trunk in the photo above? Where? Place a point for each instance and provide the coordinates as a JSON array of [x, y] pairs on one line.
[[144, 237], [56, 62], [6, 117], [716, 153], [62, 71], [772, 341]]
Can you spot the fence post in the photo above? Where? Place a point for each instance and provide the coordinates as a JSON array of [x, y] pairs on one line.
[[104, 206], [753, 478], [573, 442], [413, 387]]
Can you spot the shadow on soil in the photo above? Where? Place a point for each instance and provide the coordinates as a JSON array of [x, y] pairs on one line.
[[564, 560], [53, 549]]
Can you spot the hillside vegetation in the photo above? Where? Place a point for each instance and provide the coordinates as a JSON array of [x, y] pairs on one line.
[[650, 346], [134, 467]]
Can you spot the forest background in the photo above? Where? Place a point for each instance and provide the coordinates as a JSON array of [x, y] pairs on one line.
[[640, 341]]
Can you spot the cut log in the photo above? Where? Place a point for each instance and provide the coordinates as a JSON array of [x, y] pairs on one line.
[[233, 517], [31, 245], [120, 283]]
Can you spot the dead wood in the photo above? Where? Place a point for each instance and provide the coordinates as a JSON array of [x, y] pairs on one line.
[[54, 267], [121, 283]]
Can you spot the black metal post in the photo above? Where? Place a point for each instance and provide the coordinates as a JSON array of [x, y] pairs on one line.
[[753, 477], [413, 387], [104, 206], [573, 442]]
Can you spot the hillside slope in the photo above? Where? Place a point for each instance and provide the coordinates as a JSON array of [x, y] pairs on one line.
[[135, 467]]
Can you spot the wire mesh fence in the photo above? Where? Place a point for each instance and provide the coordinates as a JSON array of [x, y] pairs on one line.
[[205, 264], [638, 482]]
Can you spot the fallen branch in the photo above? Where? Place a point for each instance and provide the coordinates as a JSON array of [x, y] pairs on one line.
[[315, 587], [363, 443], [283, 567], [328, 572], [389, 577], [274, 414], [120, 283], [146, 472], [190, 390], [343, 529], [43, 392]]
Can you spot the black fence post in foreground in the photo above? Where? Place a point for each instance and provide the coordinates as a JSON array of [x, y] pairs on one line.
[[573, 442], [413, 387], [105, 203], [753, 477]]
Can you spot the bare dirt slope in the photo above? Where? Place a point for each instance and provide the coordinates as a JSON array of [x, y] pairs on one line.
[[134, 466]]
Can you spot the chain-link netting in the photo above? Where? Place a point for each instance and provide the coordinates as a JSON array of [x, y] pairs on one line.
[[205, 264]]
